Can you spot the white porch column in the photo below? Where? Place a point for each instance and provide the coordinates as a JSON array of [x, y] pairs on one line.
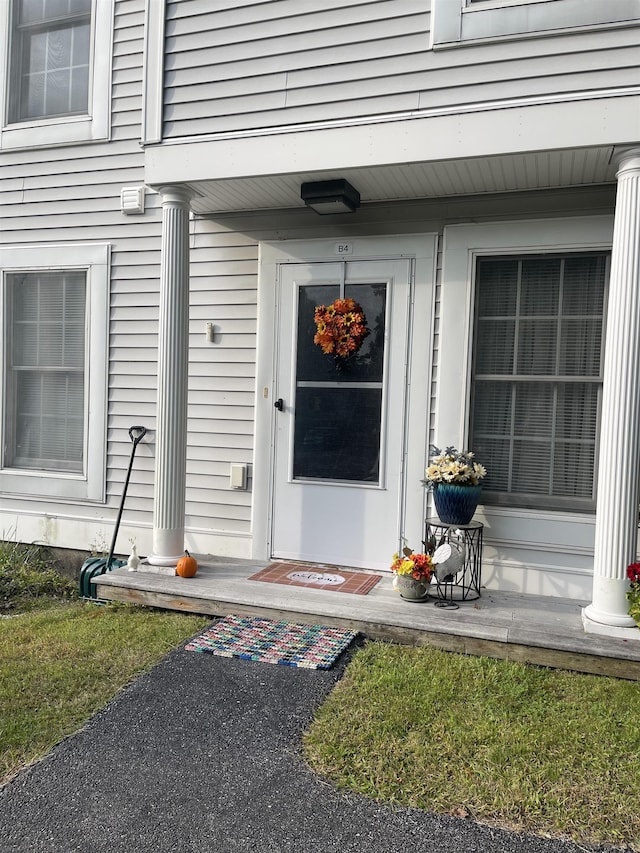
[[619, 466], [173, 354]]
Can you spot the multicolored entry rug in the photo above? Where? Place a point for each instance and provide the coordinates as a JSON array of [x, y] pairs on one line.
[[250, 638], [321, 577]]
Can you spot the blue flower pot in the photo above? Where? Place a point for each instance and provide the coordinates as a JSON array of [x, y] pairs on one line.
[[456, 504]]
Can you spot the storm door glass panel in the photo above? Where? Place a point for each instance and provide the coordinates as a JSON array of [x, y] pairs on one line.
[[45, 411], [338, 406]]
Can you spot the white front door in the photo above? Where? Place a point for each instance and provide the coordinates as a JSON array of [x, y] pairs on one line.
[[338, 494]]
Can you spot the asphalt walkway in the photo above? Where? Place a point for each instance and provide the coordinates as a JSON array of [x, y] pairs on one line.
[[202, 754]]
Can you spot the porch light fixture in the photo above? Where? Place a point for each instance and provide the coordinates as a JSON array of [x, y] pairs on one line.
[[336, 196]]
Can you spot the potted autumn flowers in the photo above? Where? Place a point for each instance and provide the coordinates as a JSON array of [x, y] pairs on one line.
[[454, 476], [633, 593], [413, 573]]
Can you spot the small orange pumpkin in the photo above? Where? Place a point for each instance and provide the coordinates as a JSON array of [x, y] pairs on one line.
[[187, 566]]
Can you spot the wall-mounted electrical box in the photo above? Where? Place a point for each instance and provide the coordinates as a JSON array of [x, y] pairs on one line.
[[238, 477]]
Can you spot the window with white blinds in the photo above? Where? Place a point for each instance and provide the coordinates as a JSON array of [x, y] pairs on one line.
[[45, 401], [537, 378]]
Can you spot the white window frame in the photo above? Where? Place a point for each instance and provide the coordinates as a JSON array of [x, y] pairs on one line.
[[92, 258], [93, 126], [456, 22], [462, 245]]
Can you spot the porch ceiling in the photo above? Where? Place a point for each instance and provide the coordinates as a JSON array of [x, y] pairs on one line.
[[442, 179]]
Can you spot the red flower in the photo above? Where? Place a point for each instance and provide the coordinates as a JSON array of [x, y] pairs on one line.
[[633, 572]]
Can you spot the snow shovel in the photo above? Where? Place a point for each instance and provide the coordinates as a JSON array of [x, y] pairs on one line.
[[95, 566]]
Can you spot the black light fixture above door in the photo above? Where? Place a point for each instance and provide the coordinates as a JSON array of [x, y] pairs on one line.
[[337, 196]]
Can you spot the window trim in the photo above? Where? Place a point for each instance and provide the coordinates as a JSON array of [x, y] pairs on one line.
[[93, 126], [462, 245], [93, 258], [456, 22]]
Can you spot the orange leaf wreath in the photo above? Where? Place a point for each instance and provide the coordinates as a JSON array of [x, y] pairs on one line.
[[341, 327]]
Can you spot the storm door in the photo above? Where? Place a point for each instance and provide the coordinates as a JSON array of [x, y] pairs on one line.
[[342, 342]]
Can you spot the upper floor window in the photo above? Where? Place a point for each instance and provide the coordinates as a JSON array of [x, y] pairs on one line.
[[455, 22], [50, 53], [57, 79]]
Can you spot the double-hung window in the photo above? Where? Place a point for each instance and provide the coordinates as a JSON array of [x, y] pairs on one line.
[[537, 377], [54, 331], [46, 336], [56, 78], [50, 53]]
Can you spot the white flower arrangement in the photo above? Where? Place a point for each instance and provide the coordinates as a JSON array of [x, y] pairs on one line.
[[453, 466]]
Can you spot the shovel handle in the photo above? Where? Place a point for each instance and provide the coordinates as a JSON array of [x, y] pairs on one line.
[[137, 433]]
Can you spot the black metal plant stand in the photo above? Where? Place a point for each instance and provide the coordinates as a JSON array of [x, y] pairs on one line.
[[465, 584]]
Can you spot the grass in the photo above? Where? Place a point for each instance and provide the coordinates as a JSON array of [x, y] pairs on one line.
[[62, 659], [543, 751], [27, 579]]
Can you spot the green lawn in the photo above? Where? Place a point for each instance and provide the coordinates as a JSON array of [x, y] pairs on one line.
[[545, 751], [61, 663]]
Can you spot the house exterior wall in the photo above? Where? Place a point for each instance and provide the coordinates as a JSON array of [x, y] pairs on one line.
[[223, 291], [247, 66], [70, 194]]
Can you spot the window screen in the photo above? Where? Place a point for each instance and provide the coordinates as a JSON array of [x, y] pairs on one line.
[[50, 52], [537, 378], [45, 346]]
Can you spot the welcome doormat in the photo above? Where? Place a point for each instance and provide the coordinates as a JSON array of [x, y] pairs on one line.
[[286, 643], [324, 577]]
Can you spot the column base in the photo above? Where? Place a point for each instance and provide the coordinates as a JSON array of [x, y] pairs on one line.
[[166, 549], [593, 615], [160, 561]]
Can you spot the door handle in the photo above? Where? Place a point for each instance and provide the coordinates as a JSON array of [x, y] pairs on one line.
[[279, 404]]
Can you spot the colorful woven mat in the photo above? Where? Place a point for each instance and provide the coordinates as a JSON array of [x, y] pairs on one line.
[[308, 646]]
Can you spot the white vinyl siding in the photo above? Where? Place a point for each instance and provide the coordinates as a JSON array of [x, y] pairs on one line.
[[72, 194], [223, 291], [265, 65], [537, 378]]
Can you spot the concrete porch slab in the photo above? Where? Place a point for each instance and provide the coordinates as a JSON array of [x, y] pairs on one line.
[[514, 626]]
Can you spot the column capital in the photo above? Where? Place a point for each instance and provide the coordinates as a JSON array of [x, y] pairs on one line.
[[627, 160], [175, 196]]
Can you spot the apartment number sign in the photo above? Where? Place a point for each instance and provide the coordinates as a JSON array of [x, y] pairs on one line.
[[343, 248]]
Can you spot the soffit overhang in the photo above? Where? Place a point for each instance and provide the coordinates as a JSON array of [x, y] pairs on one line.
[[507, 150]]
